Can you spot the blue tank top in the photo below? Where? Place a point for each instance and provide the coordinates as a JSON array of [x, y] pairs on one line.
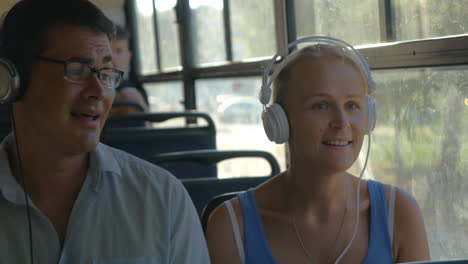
[[256, 245]]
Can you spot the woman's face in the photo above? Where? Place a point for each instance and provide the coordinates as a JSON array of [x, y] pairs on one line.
[[327, 111]]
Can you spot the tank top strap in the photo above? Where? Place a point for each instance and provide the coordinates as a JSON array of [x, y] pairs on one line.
[[380, 248], [235, 231], [256, 245]]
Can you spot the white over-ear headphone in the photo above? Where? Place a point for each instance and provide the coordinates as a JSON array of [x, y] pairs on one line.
[[275, 121]]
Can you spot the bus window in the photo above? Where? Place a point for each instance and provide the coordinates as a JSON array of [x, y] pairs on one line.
[[233, 104], [252, 29], [167, 35], [145, 37], [165, 96], [208, 31], [356, 21], [427, 19], [420, 144]]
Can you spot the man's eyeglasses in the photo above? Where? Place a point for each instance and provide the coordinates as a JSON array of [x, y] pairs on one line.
[[79, 72]]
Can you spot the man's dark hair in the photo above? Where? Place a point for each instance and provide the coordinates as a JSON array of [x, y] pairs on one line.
[[23, 33], [121, 33]]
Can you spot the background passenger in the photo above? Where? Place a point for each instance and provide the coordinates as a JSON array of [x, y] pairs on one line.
[[323, 108], [126, 92], [87, 202]]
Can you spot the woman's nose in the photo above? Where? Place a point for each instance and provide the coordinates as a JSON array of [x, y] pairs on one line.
[[339, 119]]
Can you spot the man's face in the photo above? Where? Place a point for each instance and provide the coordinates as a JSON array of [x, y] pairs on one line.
[[68, 116], [121, 55]]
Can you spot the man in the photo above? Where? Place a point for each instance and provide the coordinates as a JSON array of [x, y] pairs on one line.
[[89, 203], [121, 57]]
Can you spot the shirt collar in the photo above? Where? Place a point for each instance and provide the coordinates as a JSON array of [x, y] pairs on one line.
[[9, 187], [103, 160], [102, 164]]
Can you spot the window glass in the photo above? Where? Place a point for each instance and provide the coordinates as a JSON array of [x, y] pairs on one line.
[[420, 144], [166, 97], [208, 31], [168, 35], [252, 29], [145, 36], [234, 106], [426, 19], [355, 21]]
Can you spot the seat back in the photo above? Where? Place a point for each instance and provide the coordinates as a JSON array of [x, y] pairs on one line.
[[202, 190], [212, 204], [116, 122], [145, 142], [202, 163]]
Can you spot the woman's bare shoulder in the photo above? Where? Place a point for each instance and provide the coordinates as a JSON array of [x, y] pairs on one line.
[[410, 239], [220, 217], [220, 233]]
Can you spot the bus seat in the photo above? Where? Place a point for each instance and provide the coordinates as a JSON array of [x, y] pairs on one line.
[[202, 190], [212, 204], [114, 121], [145, 142], [202, 163]]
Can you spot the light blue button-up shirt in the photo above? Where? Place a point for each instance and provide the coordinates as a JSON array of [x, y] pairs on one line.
[[127, 212]]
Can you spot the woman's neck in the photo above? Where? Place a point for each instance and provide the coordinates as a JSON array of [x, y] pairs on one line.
[[317, 192]]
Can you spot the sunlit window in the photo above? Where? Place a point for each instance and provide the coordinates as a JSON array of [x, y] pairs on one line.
[[425, 18], [165, 96], [421, 145], [233, 104], [355, 21], [252, 29], [168, 35], [208, 31], [146, 36]]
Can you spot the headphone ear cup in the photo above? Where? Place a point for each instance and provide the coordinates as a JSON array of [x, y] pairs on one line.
[[9, 81], [275, 123], [372, 116]]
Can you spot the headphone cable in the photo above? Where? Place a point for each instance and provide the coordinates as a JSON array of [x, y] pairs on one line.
[[356, 225], [21, 172]]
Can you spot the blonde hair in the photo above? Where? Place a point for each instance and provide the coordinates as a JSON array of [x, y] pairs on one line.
[[314, 52]]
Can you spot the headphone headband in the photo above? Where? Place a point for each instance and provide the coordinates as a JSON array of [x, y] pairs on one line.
[[265, 92]]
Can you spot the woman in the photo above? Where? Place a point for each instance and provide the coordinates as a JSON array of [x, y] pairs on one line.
[[308, 213]]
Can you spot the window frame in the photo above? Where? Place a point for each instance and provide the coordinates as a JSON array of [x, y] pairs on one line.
[[441, 51]]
